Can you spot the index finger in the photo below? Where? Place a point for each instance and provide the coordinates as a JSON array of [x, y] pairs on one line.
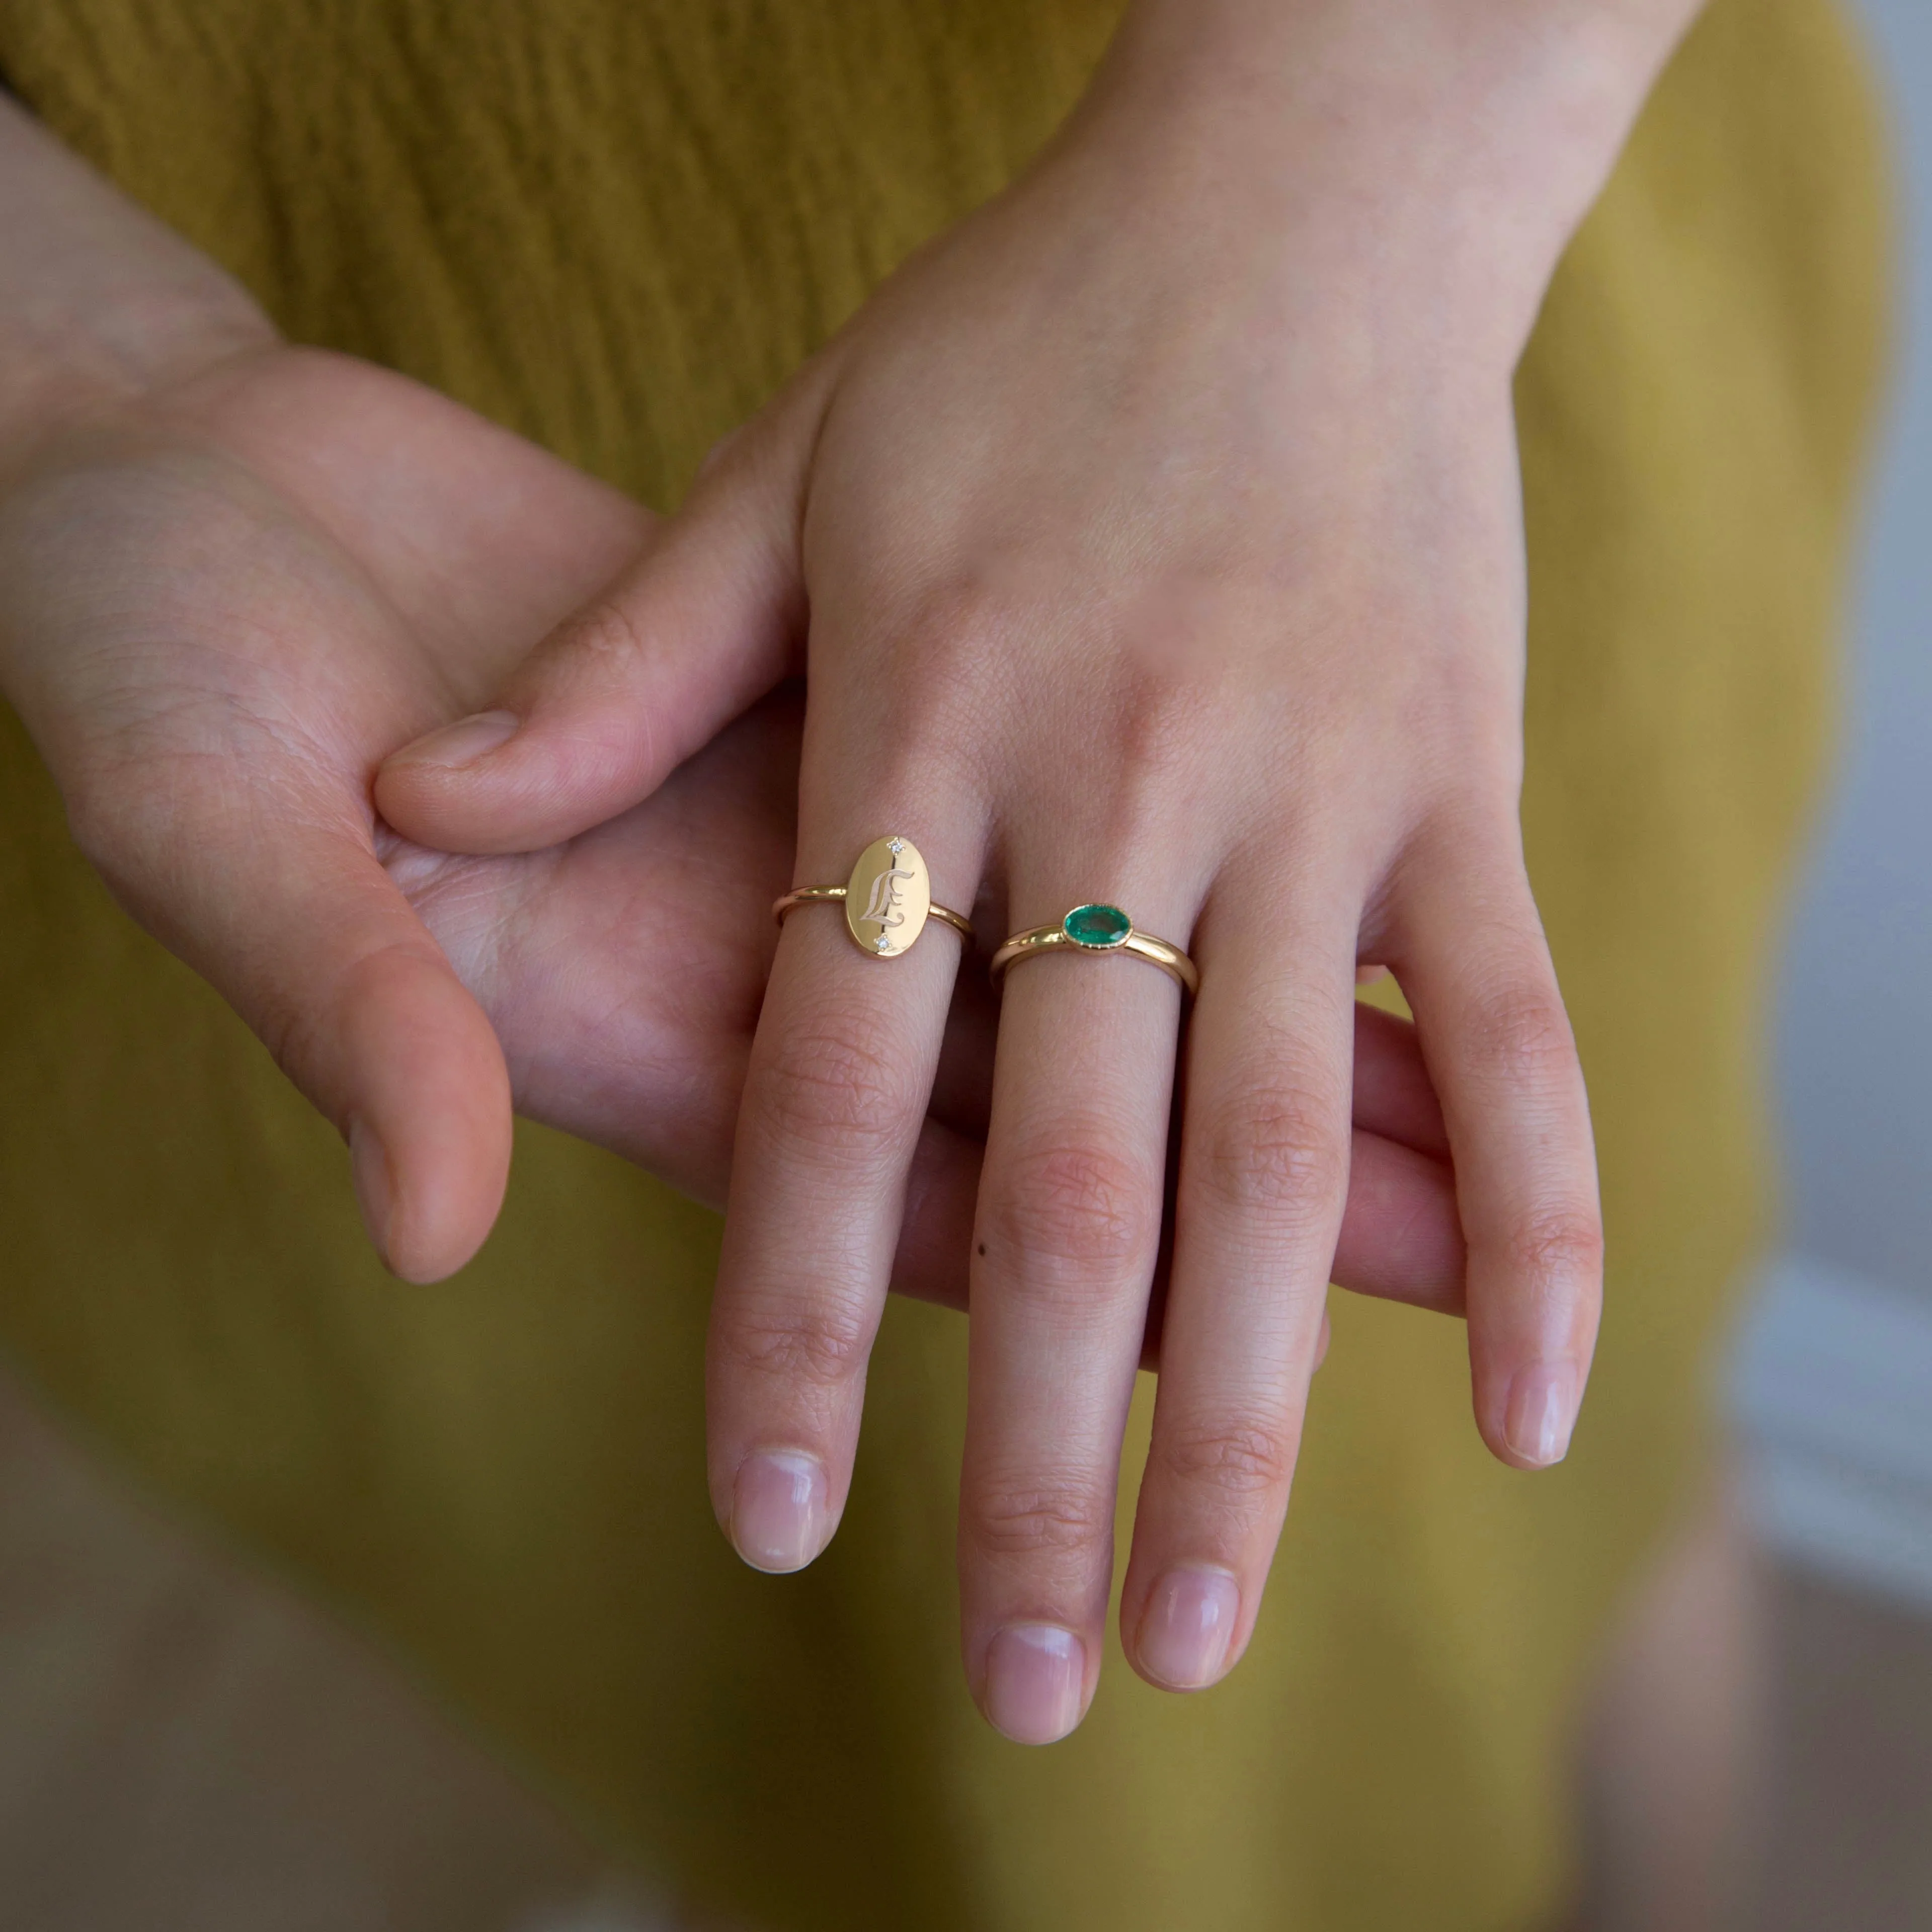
[[840, 1071]]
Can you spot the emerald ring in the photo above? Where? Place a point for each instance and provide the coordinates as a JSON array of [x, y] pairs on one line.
[[1099, 929]]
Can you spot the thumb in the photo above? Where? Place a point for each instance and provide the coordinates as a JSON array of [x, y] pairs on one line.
[[403, 1060], [620, 694], [293, 920]]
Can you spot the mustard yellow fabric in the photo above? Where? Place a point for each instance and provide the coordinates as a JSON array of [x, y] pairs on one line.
[[617, 225]]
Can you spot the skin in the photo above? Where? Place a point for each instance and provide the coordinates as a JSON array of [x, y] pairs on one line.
[[234, 575], [1154, 536]]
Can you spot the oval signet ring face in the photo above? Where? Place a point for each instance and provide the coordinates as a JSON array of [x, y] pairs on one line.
[[888, 897]]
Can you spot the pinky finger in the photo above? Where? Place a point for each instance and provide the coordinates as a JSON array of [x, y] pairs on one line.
[[1499, 1049]]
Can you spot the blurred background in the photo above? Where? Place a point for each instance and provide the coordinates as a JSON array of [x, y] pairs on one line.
[[1831, 1384], [1762, 1754], [185, 1745], [1834, 1382]]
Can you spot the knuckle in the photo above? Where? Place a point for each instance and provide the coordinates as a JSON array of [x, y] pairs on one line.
[[1558, 1244], [1279, 1150], [1236, 1456], [838, 1087], [968, 615], [1519, 1032], [1049, 1519], [822, 1344], [605, 637], [1082, 1204], [1166, 725], [946, 748]]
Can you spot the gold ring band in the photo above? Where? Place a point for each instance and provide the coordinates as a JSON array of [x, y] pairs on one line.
[[833, 894], [1099, 929], [887, 900]]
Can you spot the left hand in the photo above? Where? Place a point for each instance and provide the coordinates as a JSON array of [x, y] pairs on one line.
[[1159, 536]]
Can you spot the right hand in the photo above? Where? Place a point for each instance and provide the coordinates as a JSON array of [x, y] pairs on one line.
[[223, 604]]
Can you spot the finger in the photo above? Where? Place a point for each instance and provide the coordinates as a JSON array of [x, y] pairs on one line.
[[962, 1090], [1394, 1097], [1263, 1182], [840, 1072], [295, 922], [930, 1263], [622, 693], [1067, 1235], [1400, 1239], [1472, 958]]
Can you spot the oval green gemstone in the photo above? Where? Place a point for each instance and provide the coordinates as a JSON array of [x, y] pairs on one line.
[[1099, 926]]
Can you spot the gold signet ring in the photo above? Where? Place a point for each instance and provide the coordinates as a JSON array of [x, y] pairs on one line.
[[888, 899], [1099, 929]]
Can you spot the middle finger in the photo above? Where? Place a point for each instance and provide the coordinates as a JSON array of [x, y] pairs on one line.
[[1064, 1251]]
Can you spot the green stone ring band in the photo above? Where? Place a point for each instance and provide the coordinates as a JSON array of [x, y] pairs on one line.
[[1099, 929]]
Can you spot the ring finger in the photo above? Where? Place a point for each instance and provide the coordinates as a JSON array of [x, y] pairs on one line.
[[1263, 1181]]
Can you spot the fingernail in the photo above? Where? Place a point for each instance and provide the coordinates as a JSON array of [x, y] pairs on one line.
[[1035, 1675], [1542, 1412], [777, 1509], [462, 743], [1188, 1626], [375, 1194]]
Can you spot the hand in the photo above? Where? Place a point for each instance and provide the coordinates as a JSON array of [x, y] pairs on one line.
[[1158, 535], [220, 607]]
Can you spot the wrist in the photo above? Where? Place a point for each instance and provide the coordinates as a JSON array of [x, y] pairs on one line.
[[57, 377], [101, 305], [1445, 150]]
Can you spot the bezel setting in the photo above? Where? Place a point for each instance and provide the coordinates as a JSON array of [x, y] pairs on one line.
[[1097, 927]]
